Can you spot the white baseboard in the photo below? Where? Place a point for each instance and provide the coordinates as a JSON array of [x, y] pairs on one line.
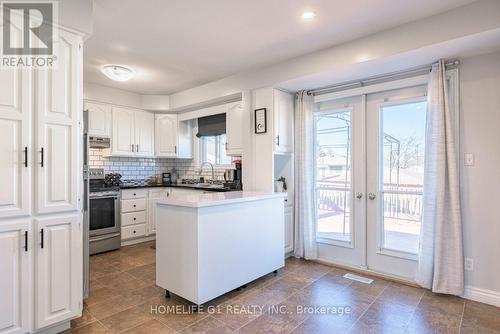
[[138, 240], [482, 295]]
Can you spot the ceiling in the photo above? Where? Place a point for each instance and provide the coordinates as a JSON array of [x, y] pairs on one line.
[[179, 44]]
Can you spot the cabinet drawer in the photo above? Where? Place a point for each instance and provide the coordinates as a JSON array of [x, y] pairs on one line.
[[133, 231], [131, 205], [138, 217], [134, 193]]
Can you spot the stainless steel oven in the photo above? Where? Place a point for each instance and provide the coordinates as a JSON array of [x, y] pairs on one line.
[[104, 214]]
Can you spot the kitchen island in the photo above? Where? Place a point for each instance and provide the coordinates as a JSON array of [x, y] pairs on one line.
[[209, 244]]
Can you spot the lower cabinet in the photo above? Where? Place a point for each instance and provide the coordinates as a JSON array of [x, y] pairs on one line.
[[54, 245], [58, 269], [15, 289], [288, 229]]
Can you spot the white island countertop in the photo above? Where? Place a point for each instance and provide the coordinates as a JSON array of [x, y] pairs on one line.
[[217, 198]]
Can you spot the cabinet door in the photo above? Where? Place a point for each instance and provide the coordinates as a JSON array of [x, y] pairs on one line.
[[58, 270], [234, 130], [166, 135], [123, 141], [99, 123], [57, 112], [185, 140], [288, 229], [15, 306], [16, 151], [144, 133], [283, 121]]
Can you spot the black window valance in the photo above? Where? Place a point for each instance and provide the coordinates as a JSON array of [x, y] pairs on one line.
[[212, 125]]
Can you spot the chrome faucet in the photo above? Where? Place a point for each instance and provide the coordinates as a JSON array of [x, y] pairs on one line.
[[211, 165]]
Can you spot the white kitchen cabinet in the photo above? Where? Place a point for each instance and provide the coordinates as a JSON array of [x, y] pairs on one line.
[[15, 145], [154, 196], [185, 140], [283, 121], [144, 134], [58, 269], [133, 133], [57, 126], [134, 213], [15, 261], [234, 129], [166, 136], [288, 229], [99, 119], [123, 136], [40, 141]]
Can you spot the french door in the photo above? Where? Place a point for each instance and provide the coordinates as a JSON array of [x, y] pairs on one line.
[[369, 179]]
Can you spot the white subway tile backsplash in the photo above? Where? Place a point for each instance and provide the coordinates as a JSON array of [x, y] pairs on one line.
[[142, 168]]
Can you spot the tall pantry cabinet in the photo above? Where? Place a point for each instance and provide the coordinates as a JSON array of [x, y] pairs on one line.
[[40, 195]]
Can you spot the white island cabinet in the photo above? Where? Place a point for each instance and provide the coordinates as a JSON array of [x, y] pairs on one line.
[[210, 244]]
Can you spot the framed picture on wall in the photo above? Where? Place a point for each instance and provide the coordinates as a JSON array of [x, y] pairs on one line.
[[260, 120]]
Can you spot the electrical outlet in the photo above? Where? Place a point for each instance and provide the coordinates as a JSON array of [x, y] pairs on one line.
[[469, 159], [469, 264]]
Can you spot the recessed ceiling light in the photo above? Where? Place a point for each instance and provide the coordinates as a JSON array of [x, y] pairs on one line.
[[308, 16], [118, 72]]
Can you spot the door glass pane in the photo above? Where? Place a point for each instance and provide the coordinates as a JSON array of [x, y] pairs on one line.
[[403, 139], [333, 175]]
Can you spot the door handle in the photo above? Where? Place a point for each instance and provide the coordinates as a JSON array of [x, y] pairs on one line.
[[175, 149], [371, 196], [278, 140], [41, 157], [25, 241], [132, 147], [359, 195], [226, 146], [137, 148], [26, 156], [41, 237]]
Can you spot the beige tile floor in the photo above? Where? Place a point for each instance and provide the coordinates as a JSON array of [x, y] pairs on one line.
[[123, 293]]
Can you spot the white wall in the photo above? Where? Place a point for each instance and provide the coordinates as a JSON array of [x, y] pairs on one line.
[[111, 95], [480, 134], [123, 98]]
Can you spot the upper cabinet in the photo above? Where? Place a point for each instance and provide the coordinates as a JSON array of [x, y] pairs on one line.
[[234, 129], [133, 133], [57, 106], [15, 141], [166, 136], [144, 134], [173, 138], [99, 120], [283, 121]]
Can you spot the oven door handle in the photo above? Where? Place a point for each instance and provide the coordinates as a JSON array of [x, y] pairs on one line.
[[104, 196], [108, 236]]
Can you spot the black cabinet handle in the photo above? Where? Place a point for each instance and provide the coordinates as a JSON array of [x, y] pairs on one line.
[[25, 241], [135, 218], [41, 236], [26, 157], [41, 157], [134, 205], [278, 140], [134, 194], [135, 232]]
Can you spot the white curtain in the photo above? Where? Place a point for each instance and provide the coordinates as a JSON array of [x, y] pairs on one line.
[[440, 266], [305, 203]]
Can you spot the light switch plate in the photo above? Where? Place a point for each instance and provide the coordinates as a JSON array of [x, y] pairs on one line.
[[469, 159], [469, 264]]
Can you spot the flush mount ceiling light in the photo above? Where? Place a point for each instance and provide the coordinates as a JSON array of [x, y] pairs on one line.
[[118, 72], [308, 16]]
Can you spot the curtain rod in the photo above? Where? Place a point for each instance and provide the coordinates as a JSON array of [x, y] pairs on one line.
[[379, 78]]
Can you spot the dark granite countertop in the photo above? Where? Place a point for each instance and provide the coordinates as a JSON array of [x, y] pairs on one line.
[[187, 186]]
